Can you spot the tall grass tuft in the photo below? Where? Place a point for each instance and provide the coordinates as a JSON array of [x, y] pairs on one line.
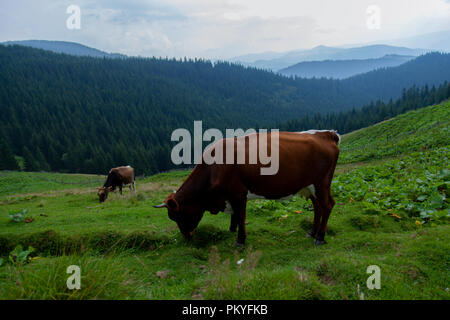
[[240, 278], [102, 277]]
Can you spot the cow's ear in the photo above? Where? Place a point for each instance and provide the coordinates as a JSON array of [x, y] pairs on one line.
[[173, 204]]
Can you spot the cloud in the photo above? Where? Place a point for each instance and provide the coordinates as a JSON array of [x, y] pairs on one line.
[[220, 28]]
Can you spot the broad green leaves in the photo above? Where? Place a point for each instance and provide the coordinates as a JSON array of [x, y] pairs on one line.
[[416, 185], [19, 256], [18, 216]]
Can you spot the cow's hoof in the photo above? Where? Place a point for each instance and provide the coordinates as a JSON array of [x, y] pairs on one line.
[[239, 245], [319, 242], [309, 234]]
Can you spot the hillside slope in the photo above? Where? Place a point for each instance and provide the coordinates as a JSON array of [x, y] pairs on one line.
[[375, 112], [83, 114], [410, 178], [385, 81], [417, 130]]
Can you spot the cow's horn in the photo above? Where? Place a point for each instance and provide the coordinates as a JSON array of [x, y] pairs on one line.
[[162, 205]]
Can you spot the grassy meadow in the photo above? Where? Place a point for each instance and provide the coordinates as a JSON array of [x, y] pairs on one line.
[[392, 210]]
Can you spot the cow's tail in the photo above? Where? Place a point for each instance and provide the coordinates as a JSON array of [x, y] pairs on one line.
[[134, 174]]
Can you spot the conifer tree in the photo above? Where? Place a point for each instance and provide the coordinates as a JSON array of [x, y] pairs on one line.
[[7, 160]]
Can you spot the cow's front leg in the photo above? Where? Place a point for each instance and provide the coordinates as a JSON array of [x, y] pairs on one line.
[[239, 210], [120, 189]]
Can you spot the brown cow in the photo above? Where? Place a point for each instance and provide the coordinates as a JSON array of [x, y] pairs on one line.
[[307, 161], [117, 177]]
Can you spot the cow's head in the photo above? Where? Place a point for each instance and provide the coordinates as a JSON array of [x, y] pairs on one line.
[[187, 214], [103, 193]]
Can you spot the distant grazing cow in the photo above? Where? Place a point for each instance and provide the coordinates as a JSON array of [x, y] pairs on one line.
[[307, 161], [117, 177]]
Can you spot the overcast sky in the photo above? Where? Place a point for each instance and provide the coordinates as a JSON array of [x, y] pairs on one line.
[[219, 28]]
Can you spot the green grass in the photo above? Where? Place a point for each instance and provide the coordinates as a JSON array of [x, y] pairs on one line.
[[391, 211], [13, 183]]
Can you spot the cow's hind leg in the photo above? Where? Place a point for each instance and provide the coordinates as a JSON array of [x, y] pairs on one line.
[[239, 210], [317, 214], [326, 203]]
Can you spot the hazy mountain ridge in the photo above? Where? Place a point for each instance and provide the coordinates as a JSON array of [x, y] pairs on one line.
[[433, 41], [341, 69], [321, 53], [66, 47]]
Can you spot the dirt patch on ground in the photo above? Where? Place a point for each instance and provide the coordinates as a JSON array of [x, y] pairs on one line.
[[146, 187]]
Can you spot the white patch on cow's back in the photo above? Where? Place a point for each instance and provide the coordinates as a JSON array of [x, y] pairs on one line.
[[314, 131]]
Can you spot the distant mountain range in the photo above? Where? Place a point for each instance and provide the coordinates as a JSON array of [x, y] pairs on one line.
[[335, 62], [340, 69], [278, 61], [275, 61], [66, 47]]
